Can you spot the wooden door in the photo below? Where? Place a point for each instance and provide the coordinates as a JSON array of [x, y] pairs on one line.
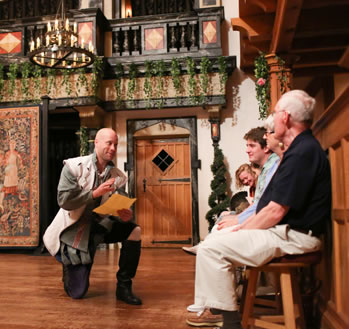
[[163, 192]]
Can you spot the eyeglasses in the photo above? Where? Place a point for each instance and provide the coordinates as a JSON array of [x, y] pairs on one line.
[[268, 133]]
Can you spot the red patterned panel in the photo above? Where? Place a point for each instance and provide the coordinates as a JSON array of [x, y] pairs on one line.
[[10, 43], [85, 32], [210, 31], [154, 38]]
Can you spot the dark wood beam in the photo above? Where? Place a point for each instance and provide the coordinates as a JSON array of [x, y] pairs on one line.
[[314, 86], [314, 59], [328, 89], [268, 6], [324, 83], [285, 23], [325, 19], [318, 71], [312, 4], [344, 61], [323, 42]]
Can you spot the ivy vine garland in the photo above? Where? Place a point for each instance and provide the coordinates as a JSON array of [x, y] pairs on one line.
[[2, 82], [131, 87], [25, 69], [51, 80], [37, 74], [159, 70], [12, 75], [148, 88], [261, 73], [34, 81], [67, 82], [223, 74], [205, 68], [33, 76], [281, 75], [119, 71], [191, 81], [97, 74], [175, 70], [84, 145], [81, 81]]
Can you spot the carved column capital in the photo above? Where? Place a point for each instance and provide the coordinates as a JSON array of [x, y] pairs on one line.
[[280, 78]]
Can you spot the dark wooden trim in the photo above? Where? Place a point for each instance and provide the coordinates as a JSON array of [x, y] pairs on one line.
[[141, 104], [44, 172]]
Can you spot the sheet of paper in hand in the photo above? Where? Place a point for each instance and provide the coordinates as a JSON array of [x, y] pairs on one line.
[[113, 204]]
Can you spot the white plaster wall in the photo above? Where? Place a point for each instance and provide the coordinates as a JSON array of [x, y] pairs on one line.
[[84, 3], [240, 115]]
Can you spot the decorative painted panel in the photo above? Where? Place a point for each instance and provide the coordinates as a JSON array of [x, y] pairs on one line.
[[154, 38], [19, 177], [85, 31], [10, 43], [209, 31]]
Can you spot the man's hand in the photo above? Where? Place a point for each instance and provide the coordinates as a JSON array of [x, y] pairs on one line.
[[107, 186], [227, 221], [125, 214]]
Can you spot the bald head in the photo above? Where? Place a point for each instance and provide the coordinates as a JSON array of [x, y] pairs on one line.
[[106, 142], [101, 133]]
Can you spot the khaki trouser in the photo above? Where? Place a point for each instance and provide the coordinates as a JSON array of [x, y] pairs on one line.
[[221, 251]]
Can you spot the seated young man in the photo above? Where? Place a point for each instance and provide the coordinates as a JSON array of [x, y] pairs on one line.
[[290, 215], [259, 154]]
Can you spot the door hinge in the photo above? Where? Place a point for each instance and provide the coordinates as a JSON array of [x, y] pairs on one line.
[[174, 179]]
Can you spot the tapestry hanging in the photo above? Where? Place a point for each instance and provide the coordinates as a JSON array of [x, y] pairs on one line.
[[19, 177]]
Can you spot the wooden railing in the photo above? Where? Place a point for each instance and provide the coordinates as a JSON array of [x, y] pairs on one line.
[[23, 9], [159, 37], [193, 34]]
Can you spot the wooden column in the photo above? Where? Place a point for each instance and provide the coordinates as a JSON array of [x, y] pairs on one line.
[[278, 73]]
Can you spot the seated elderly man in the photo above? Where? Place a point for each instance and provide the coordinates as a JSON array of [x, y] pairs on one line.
[[290, 215]]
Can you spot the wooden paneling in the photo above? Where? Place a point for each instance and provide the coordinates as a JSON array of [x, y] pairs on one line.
[[333, 133]]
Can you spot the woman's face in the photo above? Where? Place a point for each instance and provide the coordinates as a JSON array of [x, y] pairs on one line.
[[12, 145], [272, 142], [247, 179]]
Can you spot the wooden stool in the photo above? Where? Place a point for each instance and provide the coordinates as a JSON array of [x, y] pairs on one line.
[[286, 268]]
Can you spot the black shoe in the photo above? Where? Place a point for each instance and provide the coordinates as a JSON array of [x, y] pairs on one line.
[[128, 263], [125, 294]]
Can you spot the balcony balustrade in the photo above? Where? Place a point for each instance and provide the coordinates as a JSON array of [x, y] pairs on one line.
[[161, 37]]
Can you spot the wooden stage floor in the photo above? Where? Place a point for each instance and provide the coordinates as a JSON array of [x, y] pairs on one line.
[[32, 295]]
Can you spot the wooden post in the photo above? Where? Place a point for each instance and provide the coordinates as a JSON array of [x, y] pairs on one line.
[[277, 73]]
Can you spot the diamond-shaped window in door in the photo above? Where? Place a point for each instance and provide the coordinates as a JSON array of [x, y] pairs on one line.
[[163, 160]]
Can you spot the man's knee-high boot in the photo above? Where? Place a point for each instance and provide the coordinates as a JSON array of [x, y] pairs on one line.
[[128, 263]]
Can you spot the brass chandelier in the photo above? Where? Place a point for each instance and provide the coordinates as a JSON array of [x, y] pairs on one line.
[[60, 48]]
